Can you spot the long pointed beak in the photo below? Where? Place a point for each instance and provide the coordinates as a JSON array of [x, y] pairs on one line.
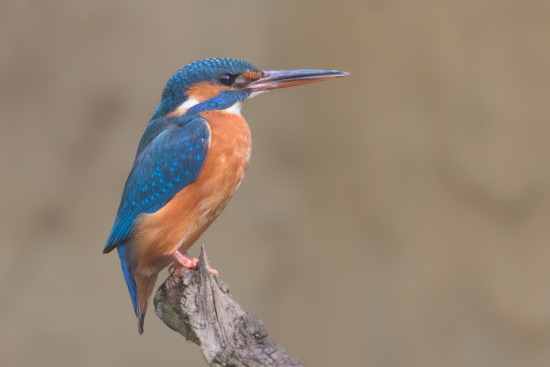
[[274, 79]]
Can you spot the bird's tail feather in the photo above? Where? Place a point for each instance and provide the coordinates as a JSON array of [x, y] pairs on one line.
[[132, 287]]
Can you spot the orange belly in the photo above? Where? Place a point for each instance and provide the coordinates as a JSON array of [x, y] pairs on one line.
[[186, 216]]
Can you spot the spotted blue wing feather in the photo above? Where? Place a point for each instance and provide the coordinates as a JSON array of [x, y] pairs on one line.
[[170, 157]]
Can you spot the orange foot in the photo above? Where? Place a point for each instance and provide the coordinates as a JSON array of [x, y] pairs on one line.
[[185, 261]]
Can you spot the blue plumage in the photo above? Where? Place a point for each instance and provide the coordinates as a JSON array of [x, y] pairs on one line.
[[172, 153], [169, 158], [172, 149], [170, 161], [224, 100], [207, 70], [131, 283]]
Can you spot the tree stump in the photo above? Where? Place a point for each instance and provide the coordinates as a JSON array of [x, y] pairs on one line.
[[197, 304]]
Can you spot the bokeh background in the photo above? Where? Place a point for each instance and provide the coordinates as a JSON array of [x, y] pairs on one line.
[[396, 217]]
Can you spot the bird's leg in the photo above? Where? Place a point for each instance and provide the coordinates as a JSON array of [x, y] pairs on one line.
[[186, 261]]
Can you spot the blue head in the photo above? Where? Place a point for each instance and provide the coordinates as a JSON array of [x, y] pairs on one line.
[[218, 81], [217, 84]]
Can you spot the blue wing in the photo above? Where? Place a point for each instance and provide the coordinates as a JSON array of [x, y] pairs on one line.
[[170, 157]]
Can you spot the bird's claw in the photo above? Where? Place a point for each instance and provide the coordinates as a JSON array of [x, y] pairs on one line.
[[185, 261]]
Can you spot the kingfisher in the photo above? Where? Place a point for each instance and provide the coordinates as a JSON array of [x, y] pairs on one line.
[[190, 161]]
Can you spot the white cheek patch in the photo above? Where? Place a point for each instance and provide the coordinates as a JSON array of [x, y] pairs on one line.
[[189, 102]]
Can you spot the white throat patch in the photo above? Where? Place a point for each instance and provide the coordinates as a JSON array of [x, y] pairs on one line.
[[235, 109], [254, 94]]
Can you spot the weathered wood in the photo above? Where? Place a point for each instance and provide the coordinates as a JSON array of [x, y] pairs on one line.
[[197, 304]]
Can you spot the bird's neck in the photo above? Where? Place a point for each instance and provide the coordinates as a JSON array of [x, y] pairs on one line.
[[229, 101], [184, 110]]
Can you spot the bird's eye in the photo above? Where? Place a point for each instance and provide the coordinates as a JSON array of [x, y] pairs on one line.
[[227, 79]]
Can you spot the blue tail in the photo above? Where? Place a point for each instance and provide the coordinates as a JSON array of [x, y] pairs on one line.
[[131, 283]]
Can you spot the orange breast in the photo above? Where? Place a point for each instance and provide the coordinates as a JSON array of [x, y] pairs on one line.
[[186, 216]]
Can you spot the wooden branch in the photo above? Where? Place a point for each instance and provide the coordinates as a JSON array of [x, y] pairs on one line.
[[197, 304]]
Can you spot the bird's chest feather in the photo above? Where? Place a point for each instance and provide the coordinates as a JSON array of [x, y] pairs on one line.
[[227, 159], [185, 217]]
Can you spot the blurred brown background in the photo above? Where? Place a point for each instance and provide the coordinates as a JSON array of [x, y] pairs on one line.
[[396, 217]]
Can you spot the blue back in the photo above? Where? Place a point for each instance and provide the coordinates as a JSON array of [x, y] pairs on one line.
[[169, 158]]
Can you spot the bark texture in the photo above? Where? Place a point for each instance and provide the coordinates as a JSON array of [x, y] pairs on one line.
[[197, 304]]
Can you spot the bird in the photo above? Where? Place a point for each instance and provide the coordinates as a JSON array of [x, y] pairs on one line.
[[189, 162]]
